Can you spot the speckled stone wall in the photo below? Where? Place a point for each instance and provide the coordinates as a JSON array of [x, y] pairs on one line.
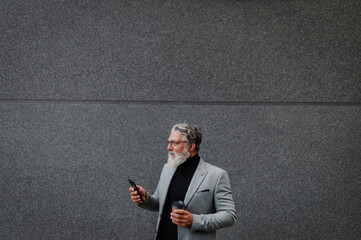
[[90, 90]]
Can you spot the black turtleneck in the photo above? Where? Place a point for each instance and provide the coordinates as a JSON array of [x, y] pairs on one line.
[[177, 190]]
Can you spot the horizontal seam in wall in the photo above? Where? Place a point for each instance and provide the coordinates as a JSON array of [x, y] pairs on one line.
[[200, 103]]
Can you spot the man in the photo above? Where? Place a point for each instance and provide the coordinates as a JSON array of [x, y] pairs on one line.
[[204, 189]]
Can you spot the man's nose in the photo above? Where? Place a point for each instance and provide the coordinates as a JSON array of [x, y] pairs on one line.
[[170, 147]]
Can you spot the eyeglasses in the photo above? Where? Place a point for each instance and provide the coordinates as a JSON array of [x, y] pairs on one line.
[[175, 143]]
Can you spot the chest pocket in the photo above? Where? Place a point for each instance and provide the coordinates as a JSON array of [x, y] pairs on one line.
[[202, 191], [202, 202]]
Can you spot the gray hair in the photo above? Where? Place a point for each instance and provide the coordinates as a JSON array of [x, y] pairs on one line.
[[191, 133]]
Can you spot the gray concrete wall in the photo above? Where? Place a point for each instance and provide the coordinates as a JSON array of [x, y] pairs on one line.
[[90, 90]]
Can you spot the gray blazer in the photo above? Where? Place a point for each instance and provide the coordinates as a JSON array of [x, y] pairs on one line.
[[208, 198]]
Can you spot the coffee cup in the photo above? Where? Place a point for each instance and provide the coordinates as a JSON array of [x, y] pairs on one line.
[[178, 205]]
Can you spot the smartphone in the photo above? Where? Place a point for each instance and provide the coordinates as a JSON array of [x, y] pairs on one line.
[[132, 183]]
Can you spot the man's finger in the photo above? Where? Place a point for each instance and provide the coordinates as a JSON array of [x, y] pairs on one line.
[[178, 216], [180, 211]]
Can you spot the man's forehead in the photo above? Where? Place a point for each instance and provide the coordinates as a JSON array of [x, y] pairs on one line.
[[175, 135]]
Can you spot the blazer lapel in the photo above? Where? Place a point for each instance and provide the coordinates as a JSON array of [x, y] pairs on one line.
[[168, 174], [198, 177]]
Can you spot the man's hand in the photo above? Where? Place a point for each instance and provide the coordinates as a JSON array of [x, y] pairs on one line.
[[135, 196], [182, 218]]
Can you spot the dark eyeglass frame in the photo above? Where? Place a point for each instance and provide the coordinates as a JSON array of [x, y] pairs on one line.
[[175, 143]]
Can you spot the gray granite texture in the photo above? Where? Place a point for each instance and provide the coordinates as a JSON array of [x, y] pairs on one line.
[[89, 91], [294, 169], [236, 51]]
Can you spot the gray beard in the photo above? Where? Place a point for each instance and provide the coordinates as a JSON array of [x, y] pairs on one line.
[[179, 158]]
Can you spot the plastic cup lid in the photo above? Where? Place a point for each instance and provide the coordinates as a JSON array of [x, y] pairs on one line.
[[178, 205]]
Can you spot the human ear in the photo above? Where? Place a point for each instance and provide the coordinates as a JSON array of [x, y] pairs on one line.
[[192, 147]]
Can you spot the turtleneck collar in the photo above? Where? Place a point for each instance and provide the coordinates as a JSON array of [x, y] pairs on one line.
[[191, 162]]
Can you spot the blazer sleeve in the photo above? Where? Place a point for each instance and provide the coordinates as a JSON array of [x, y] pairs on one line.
[[225, 214], [151, 202]]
